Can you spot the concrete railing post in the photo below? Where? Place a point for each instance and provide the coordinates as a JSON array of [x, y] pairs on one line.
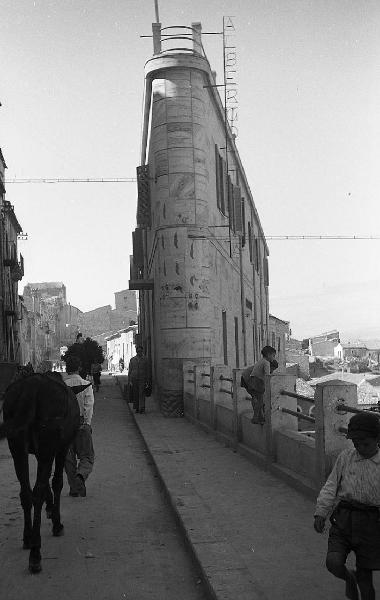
[[203, 393], [329, 441], [236, 376], [156, 29], [274, 418], [188, 388], [215, 382], [198, 380], [212, 398]]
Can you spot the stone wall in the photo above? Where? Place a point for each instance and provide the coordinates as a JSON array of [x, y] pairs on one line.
[[97, 321], [302, 360]]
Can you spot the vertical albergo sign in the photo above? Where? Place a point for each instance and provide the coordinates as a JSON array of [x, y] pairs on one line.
[[230, 73]]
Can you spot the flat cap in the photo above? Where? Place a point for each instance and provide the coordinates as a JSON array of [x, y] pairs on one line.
[[364, 424]]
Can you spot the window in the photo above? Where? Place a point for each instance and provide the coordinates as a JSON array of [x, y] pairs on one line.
[[217, 177], [222, 179], [237, 342], [250, 241], [238, 213], [273, 340], [257, 254], [219, 180], [243, 222], [278, 345], [266, 271], [231, 207], [224, 333]]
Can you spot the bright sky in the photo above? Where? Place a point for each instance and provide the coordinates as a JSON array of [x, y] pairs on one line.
[[309, 137]]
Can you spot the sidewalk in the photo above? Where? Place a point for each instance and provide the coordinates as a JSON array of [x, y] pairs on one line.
[[251, 534]]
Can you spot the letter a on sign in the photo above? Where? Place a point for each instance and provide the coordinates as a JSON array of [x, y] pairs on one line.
[[228, 24]]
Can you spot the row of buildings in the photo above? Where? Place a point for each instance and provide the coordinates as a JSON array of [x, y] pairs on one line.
[[11, 272], [49, 323], [200, 258], [38, 324], [329, 345]]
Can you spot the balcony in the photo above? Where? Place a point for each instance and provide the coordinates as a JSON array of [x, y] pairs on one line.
[[141, 284], [178, 38]]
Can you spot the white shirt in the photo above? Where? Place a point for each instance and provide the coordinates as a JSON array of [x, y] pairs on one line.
[[352, 478], [261, 369], [85, 398]]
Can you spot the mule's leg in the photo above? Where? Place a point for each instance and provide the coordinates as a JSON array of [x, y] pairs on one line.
[[57, 485], [39, 494], [49, 502], [21, 464]]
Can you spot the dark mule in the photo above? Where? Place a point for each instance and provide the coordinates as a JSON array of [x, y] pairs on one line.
[[41, 417]]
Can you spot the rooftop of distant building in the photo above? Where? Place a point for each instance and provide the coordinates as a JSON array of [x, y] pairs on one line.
[[46, 285]]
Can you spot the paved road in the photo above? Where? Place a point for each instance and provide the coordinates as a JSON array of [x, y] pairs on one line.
[[120, 543]]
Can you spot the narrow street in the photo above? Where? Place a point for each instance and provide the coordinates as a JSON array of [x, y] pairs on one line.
[[121, 542]]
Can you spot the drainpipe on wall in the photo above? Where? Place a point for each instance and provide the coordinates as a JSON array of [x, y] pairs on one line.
[[242, 298]]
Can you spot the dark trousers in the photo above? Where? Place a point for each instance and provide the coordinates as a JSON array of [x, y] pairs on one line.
[[138, 395], [96, 380], [80, 457]]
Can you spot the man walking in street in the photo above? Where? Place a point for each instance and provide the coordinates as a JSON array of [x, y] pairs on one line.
[[96, 371], [80, 457], [138, 378]]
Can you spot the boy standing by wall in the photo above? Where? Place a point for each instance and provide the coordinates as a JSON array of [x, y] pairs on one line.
[[352, 494], [253, 380]]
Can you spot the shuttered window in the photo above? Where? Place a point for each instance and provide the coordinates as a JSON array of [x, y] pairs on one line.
[[238, 210], [224, 333], [243, 222], [266, 271], [250, 241]]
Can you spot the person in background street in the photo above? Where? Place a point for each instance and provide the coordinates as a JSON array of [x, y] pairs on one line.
[[96, 371], [138, 378], [80, 457], [253, 380], [352, 494], [121, 365]]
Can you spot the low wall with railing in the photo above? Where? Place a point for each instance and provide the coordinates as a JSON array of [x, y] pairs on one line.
[[214, 399]]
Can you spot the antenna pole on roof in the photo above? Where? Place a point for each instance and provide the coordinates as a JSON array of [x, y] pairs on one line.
[[156, 10]]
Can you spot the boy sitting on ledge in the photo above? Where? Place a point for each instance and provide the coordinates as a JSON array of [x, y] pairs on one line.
[[253, 380]]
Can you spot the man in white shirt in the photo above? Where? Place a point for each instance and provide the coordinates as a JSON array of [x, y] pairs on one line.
[[80, 457]]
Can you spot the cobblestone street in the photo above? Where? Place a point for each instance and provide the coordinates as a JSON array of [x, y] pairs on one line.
[[121, 542]]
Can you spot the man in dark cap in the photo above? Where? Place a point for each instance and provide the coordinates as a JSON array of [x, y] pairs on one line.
[[352, 494]]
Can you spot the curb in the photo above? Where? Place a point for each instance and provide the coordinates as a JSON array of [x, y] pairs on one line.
[[223, 573]]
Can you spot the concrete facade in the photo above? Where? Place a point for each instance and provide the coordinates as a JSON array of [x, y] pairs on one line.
[[203, 273]]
